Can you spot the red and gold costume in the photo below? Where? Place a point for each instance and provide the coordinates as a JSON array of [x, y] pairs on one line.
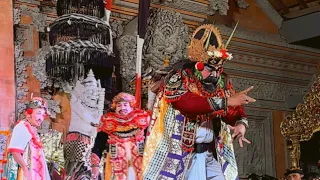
[[190, 117], [122, 136]]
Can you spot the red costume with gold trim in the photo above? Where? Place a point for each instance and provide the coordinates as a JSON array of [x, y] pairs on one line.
[[122, 136], [190, 117]]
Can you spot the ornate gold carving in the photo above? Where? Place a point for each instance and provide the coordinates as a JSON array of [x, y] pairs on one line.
[[294, 150], [166, 61], [197, 51], [304, 121]]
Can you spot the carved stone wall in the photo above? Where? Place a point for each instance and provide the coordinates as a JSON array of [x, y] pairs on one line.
[[29, 69], [258, 157], [117, 28], [166, 35], [128, 54], [222, 6]]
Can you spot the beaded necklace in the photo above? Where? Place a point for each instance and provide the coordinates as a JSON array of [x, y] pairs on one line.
[[35, 138]]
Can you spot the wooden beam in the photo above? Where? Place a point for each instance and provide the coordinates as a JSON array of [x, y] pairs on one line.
[[47, 3], [306, 1], [170, 8], [278, 4], [302, 4], [295, 14]]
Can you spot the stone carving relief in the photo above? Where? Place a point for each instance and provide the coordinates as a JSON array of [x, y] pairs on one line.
[[53, 106], [269, 72], [167, 36], [269, 95], [274, 105], [23, 33], [117, 28], [39, 67], [268, 90], [38, 19], [128, 53], [266, 61], [16, 16], [252, 158], [21, 76], [257, 157], [242, 4], [218, 5], [222, 6]]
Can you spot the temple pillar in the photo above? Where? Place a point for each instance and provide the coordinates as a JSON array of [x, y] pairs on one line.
[[7, 75], [279, 144]]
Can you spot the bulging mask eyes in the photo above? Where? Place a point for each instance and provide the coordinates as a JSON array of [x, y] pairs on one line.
[[208, 68]]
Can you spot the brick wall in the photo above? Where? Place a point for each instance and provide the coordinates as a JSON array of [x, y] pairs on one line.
[[7, 83]]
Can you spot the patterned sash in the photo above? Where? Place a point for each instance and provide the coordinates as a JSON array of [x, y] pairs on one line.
[[225, 153]]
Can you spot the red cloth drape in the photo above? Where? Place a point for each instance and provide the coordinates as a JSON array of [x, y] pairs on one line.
[[108, 4]]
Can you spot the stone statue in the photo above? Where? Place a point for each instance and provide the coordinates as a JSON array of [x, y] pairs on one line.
[[167, 36], [87, 101]]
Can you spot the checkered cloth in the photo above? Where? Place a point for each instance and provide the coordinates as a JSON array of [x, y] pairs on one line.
[[78, 150]]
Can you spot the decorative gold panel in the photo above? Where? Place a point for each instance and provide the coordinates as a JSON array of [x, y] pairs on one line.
[[303, 122]]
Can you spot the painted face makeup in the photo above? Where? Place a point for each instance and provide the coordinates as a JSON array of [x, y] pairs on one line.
[[123, 108]]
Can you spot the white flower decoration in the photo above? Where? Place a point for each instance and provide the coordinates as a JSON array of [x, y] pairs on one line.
[[229, 56], [210, 53], [217, 54]]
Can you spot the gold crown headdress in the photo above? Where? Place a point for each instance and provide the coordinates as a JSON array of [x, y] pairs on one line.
[[207, 46]]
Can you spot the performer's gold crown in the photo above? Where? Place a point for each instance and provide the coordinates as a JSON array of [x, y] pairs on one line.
[[207, 46]]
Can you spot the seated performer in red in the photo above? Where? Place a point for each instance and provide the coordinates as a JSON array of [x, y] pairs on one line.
[[121, 134]]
